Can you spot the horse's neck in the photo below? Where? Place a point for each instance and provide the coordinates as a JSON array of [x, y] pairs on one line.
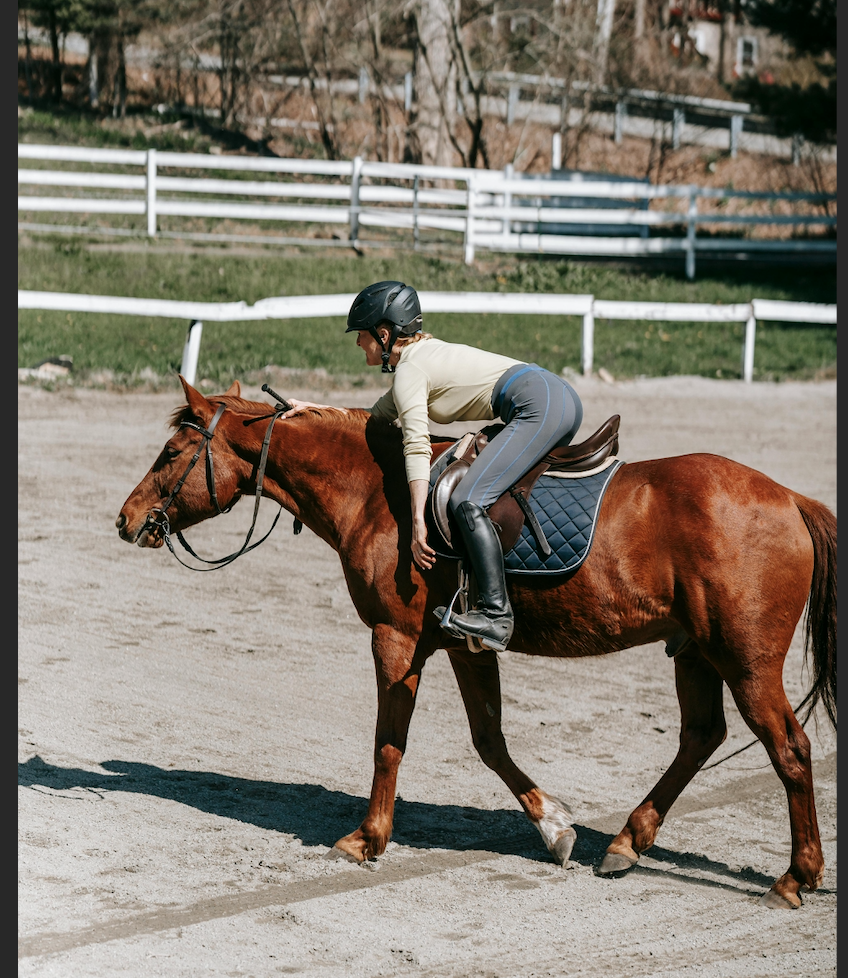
[[326, 473]]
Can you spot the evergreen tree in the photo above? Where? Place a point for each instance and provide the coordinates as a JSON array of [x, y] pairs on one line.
[[810, 28]]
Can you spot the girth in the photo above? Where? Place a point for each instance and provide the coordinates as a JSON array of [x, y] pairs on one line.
[[511, 510]]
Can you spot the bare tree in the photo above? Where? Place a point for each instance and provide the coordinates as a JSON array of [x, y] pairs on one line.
[[316, 25], [435, 80]]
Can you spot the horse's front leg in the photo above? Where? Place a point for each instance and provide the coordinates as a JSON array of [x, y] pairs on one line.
[[479, 682], [398, 673]]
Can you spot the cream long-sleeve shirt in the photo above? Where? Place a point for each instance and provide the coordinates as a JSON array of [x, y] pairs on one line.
[[441, 381]]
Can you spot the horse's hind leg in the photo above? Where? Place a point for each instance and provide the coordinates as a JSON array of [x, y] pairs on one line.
[[479, 683], [398, 664], [763, 704], [702, 729]]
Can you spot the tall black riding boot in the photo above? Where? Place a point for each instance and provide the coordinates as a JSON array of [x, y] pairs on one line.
[[491, 621]]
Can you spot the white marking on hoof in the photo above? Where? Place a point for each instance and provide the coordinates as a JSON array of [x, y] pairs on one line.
[[555, 828], [774, 901]]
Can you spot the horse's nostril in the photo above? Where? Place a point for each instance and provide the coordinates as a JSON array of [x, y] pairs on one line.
[[121, 521]]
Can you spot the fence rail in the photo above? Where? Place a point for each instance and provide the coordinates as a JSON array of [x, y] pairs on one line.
[[518, 303], [487, 209]]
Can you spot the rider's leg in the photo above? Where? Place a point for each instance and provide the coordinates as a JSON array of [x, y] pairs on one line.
[[540, 410], [491, 620]]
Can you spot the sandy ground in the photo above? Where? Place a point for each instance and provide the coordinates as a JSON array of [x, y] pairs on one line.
[[190, 746]]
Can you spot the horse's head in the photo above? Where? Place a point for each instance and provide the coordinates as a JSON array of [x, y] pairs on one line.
[[183, 487]]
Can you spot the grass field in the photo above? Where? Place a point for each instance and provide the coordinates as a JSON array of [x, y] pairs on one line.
[[135, 349]]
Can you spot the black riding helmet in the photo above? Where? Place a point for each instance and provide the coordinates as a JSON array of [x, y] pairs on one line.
[[386, 302]]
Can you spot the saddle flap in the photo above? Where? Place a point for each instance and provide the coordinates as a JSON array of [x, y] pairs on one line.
[[440, 494]]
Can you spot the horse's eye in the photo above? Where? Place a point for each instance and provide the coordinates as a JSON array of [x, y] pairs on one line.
[[171, 452]]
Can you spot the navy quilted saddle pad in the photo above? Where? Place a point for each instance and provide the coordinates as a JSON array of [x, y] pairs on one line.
[[567, 510]]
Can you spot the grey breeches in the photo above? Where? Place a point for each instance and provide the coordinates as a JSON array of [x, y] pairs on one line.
[[540, 410]]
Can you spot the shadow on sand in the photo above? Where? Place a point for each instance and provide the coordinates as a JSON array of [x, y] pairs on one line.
[[318, 816]]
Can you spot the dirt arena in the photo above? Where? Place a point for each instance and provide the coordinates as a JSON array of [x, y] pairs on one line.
[[191, 745]]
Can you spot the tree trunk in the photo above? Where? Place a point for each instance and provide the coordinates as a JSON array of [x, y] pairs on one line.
[[57, 56], [639, 20], [119, 101], [229, 38], [28, 62], [91, 75], [722, 43], [435, 81], [603, 34]]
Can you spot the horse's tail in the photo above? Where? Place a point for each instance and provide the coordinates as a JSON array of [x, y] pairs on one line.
[[820, 626]]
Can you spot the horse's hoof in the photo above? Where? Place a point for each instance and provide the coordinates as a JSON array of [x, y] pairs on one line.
[[775, 901], [616, 862], [561, 849], [341, 855], [555, 828]]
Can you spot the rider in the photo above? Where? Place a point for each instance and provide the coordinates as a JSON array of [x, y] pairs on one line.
[[446, 382]]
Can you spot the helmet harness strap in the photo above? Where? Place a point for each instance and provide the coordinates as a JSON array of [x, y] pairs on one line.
[[387, 350]]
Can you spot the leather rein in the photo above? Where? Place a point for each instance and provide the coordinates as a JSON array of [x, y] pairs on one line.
[[158, 516]]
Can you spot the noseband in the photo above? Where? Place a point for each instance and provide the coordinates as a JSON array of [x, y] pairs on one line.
[[158, 517]]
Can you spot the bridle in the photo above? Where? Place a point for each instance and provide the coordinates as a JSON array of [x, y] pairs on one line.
[[158, 516]]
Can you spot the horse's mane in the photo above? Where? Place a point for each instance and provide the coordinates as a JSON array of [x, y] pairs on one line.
[[384, 438], [333, 418]]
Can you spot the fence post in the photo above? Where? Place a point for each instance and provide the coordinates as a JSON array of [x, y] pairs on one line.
[[415, 213], [645, 206], [797, 143], [509, 170], [748, 349], [556, 151], [151, 192], [363, 84], [191, 351], [511, 100], [587, 342], [690, 233], [469, 223], [735, 129], [677, 120], [620, 113], [354, 200], [407, 91]]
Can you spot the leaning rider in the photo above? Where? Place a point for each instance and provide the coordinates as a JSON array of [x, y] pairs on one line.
[[447, 382]]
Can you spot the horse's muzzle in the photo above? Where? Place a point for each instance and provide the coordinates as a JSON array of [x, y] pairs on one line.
[[148, 534]]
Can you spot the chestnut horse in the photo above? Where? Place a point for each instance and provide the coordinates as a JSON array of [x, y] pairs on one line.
[[706, 554]]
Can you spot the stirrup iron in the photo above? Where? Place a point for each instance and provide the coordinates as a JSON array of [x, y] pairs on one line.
[[461, 595]]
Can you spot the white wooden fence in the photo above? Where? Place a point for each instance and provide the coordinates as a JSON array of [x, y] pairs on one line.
[[526, 304], [489, 209]]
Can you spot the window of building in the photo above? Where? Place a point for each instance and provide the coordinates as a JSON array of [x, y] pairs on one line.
[[746, 53]]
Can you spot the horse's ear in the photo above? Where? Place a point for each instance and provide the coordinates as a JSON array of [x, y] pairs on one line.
[[200, 407], [234, 390]]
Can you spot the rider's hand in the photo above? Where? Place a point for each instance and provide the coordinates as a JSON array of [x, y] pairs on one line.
[[422, 553], [298, 407]]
